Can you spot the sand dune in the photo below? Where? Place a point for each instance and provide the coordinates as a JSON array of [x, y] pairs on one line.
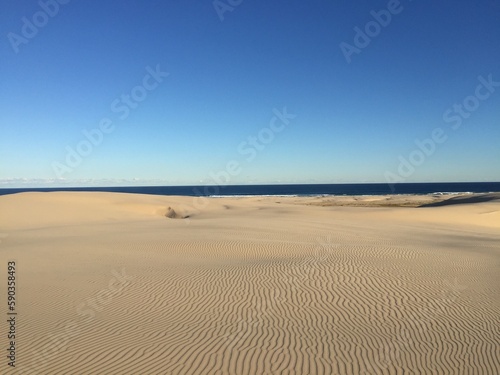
[[110, 284]]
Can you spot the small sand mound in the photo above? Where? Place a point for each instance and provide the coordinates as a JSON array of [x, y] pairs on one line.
[[171, 214]]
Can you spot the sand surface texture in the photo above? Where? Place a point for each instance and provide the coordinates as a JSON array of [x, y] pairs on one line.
[[135, 284]]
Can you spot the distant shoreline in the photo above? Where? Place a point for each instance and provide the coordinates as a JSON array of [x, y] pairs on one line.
[[380, 201], [293, 190]]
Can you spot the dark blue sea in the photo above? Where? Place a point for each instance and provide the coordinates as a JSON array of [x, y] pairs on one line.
[[279, 190]]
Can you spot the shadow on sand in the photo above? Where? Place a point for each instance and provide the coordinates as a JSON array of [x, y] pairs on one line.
[[476, 198]]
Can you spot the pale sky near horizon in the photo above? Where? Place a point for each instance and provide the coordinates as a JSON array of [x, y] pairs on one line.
[[180, 93]]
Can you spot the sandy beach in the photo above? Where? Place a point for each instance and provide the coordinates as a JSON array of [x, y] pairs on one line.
[[110, 283]]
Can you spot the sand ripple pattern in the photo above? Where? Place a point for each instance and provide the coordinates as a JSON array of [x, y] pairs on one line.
[[265, 301]]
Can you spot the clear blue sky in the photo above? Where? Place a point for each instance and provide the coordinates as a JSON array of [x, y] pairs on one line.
[[230, 70]]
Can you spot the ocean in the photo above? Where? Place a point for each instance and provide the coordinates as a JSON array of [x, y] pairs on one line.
[[287, 190]]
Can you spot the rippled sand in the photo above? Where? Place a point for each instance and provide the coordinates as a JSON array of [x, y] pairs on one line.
[[135, 284]]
